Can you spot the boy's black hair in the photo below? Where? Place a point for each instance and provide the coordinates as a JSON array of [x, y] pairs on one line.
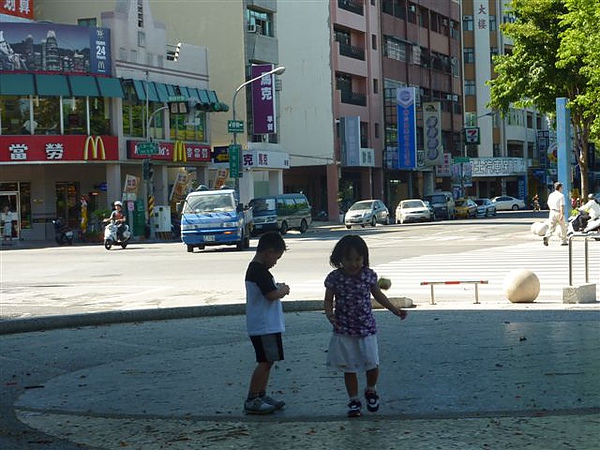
[[271, 241], [343, 247]]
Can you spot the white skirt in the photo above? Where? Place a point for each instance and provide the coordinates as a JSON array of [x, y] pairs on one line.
[[353, 353]]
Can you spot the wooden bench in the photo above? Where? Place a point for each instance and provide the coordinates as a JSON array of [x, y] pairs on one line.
[[475, 282]]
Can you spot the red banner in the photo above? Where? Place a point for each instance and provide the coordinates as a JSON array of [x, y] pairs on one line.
[[19, 8], [177, 151], [53, 148]]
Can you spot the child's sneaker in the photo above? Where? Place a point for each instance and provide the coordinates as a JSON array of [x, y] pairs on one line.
[[354, 408], [258, 406], [372, 400], [278, 404]]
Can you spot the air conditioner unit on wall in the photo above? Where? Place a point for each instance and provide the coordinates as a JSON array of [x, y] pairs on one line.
[[251, 28]]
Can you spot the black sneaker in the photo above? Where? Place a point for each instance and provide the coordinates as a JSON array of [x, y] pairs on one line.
[[372, 400], [354, 408]]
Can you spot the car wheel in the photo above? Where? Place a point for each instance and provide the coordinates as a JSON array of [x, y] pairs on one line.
[[284, 228], [348, 226], [515, 207], [190, 248], [303, 226]]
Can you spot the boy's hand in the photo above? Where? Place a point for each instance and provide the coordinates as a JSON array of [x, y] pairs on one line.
[[283, 288]]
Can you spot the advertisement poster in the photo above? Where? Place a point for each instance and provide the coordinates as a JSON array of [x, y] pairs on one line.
[[432, 120], [54, 48], [407, 128]]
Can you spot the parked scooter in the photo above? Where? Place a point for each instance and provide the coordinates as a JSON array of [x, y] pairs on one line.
[[111, 235], [62, 233]]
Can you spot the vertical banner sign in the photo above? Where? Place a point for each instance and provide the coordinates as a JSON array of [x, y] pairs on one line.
[[350, 145], [263, 100], [407, 128], [432, 124], [234, 160]]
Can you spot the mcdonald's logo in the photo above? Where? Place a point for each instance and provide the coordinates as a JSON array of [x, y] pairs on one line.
[[97, 144], [179, 153]]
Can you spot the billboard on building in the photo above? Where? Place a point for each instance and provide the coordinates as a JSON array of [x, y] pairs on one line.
[[432, 120], [54, 48], [263, 100], [407, 128]]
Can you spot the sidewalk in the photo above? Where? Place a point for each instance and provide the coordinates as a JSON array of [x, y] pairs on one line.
[[459, 379]]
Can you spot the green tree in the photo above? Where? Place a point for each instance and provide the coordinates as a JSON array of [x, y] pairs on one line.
[[541, 68]]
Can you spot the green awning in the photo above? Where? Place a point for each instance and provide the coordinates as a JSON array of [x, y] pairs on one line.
[[185, 92], [82, 86], [212, 96], [140, 91], [152, 95], [171, 90], [110, 87], [16, 84], [161, 90], [204, 96], [52, 85]]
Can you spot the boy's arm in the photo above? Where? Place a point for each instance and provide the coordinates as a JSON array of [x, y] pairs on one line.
[[281, 291]]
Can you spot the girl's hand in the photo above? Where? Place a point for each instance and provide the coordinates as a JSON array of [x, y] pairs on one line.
[[331, 318], [401, 313]]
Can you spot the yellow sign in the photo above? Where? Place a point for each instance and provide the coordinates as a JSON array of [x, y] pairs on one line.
[[97, 144], [179, 152]]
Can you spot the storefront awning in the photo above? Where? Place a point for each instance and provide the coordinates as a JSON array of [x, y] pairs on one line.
[[161, 90], [140, 91], [82, 86], [110, 87], [16, 84], [152, 95], [52, 85]]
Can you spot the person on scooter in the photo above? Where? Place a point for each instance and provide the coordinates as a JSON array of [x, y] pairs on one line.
[[118, 217], [592, 210]]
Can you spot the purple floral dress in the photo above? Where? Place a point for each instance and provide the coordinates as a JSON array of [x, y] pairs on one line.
[[352, 301]]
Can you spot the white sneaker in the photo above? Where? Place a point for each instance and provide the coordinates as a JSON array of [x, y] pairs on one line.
[[258, 406], [278, 404]]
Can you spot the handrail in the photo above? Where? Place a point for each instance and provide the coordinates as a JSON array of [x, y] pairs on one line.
[[586, 236]]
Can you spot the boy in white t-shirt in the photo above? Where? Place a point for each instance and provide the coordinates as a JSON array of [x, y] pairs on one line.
[[264, 321]]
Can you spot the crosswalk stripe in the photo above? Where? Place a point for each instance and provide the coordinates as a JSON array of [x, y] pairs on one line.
[[550, 264]]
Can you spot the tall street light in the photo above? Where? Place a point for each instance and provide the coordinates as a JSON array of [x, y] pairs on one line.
[[234, 148]]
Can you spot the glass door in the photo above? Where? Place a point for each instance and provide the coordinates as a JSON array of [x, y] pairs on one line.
[[9, 215], [67, 204]]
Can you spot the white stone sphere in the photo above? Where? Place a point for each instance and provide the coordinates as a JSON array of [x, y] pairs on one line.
[[539, 228], [521, 286]]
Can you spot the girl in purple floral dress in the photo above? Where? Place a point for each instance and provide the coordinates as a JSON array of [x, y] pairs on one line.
[[353, 347]]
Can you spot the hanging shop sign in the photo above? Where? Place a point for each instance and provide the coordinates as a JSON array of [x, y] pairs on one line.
[[177, 151]]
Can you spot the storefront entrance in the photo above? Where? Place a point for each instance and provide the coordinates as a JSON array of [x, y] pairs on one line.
[[67, 203], [9, 215]]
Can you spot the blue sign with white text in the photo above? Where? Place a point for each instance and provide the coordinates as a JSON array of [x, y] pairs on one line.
[[407, 129]]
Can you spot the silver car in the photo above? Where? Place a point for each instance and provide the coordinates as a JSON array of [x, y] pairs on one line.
[[508, 203], [367, 212]]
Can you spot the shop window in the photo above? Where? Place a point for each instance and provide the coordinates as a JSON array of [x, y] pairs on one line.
[[74, 114], [189, 127], [46, 113], [99, 116], [14, 114]]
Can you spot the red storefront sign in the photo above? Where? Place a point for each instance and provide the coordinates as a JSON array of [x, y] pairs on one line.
[[54, 148], [19, 8], [177, 151]]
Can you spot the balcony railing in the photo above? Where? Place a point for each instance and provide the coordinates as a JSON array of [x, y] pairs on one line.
[[352, 51], [354, 98], [354, 6]]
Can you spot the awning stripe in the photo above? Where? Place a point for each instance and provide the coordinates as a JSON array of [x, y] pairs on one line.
[[110, 87], [16, 84], [82, 86], [52, 85]]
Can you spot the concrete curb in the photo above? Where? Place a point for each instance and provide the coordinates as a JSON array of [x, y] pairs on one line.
[[29, 325]]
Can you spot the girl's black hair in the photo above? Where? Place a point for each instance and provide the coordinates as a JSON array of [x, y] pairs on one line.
[[343, 247]]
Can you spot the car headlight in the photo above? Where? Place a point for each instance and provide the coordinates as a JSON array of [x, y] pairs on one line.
[[230, 224]]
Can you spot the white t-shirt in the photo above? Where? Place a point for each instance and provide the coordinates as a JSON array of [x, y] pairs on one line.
[[555, 200], [262, 316], [593, 209]]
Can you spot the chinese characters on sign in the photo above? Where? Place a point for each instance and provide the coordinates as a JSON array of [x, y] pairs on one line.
[[263, 100], [19, 8], [407, 131], [58, 148]]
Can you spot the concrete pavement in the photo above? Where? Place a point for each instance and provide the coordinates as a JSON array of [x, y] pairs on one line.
[[513, 377]]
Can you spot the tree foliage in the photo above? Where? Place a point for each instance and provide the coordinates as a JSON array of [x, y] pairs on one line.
[[547, 61]]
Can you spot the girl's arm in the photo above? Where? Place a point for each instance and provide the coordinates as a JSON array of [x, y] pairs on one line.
[[385, 302], [329, 306]]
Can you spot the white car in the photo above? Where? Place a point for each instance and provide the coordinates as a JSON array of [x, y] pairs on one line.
[[367, 212], [413, 210], [508, 203]]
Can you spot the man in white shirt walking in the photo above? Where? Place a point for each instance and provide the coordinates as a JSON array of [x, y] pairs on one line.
[[556, 204]]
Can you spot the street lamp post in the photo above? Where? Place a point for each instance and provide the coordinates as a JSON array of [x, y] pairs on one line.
[[277, 71]]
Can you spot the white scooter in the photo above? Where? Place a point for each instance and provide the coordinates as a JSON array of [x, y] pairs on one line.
[[110, 235]]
